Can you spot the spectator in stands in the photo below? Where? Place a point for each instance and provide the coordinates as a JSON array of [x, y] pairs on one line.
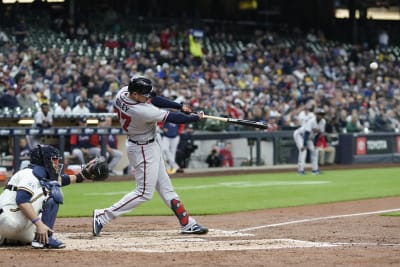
[[4, 39], [82, 32], [55, 95], [326, 152], [63, 108], [81, 107], [342, 121], [383, 39], [25, 97], [43, 94], [185, 148], [213, 159], [108, 96], [353, 123], [225, 155], [84, 146], [44, 117], [20, 31], [270, 78], [8, 99], [195, 47]]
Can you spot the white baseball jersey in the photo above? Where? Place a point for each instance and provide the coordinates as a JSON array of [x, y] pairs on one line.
[[13, 223], [304, 117], [60, 111], [313, 127], [40, 118], [143, 127]]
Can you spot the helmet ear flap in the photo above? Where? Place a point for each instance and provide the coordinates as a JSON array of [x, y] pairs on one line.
[[36, 156]]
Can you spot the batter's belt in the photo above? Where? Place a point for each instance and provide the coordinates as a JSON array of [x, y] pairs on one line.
[[141, 142]]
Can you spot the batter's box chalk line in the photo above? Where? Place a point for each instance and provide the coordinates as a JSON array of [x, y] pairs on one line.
[[170, 241]]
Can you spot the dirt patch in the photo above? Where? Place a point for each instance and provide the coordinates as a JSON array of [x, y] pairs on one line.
[[346, 234], [340, 234]]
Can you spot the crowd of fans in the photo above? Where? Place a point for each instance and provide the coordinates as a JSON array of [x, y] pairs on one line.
[[271, 78]]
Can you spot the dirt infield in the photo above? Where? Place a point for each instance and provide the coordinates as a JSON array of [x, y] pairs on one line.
[[340, 234]]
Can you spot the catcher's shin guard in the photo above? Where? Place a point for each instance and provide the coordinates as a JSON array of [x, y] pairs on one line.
[[180, 211]]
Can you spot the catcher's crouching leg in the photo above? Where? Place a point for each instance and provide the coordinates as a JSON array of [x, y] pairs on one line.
[[49, 215]]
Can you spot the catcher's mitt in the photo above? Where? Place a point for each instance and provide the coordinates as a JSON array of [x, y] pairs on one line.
[[96, 169]]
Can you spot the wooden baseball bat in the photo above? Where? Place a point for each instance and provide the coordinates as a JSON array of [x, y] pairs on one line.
[[255, 124]]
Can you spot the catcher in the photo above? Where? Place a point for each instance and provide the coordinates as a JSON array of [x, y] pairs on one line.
[[31, 198]]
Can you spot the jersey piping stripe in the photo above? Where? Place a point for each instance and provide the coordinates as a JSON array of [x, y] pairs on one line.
[[26, 190], [127, 101], [144, 184], [32, 201], [165, 116]]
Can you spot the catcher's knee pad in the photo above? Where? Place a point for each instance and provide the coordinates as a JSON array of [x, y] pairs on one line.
[[55, 192], [180, 211]]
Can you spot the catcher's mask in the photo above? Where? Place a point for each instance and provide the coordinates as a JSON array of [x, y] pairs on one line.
[[140, 85], [48, 157]]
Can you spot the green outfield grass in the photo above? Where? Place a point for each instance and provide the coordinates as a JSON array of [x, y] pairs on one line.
[[225, 194]]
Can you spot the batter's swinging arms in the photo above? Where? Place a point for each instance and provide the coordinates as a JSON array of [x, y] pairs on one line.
[[138, 110]]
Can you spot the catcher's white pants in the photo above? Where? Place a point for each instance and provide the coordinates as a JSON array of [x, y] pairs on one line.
[[150, 175], [299, 139], [15, 227], [169, 146]]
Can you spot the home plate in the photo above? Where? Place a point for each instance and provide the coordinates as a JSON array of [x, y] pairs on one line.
[[172, 241]]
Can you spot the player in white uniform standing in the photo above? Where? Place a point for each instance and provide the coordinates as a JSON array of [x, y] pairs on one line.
[[304, 137], [30, 200], [138, 111], [305, 115]]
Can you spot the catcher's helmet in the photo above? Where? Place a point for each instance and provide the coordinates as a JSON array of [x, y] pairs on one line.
[[44, 155], [140, 85]]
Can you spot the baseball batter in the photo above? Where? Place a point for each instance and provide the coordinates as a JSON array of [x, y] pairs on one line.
[[304, 137], [138, 111]]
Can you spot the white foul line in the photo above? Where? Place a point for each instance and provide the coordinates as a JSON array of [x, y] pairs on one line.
[[316, 219]]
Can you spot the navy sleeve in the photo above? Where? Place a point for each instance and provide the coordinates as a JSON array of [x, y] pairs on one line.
[[306, 134], [162, 102], [65, 180], [23, 197], [177, 117]]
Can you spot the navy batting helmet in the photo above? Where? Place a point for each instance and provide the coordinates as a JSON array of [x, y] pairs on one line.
[[140, 85]]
